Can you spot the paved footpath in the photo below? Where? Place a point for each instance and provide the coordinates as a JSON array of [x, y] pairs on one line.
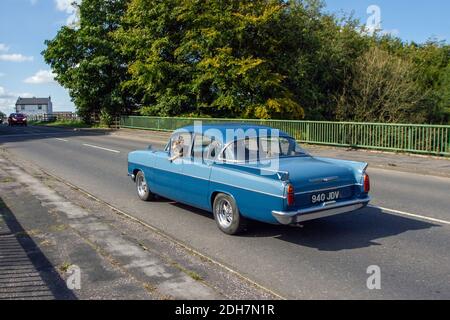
[[45, 239]]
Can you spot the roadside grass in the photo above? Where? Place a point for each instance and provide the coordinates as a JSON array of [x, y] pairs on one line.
[[194, 275], [65, 267], [63, 123], [58, 228]]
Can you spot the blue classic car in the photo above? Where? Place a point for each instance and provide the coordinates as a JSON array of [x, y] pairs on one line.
[[240, 172]]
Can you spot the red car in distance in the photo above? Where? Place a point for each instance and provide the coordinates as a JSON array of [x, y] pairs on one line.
[[17, 119]]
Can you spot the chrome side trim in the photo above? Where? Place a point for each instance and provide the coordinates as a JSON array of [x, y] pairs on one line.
[[291, 217], [226, 184]]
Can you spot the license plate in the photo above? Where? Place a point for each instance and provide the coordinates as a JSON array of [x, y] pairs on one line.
[[325, 196]]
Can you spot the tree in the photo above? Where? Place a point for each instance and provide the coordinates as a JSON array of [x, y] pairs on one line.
[[432, 61], [285, 59], [444, 94], [318, 55], [207, 58], [86, 60], [383, 89]]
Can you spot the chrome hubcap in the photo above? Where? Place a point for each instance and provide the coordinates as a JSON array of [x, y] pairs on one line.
[[141, 185], [224, 213]]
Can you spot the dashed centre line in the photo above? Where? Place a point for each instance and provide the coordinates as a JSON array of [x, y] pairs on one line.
[[101, 148]]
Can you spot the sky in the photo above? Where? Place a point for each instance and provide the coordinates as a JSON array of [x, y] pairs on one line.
[[411, 20], [26, 24]]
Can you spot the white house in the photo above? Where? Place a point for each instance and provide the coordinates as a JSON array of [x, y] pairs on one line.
[[34, 106]]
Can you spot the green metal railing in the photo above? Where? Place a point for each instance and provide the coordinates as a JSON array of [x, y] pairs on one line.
[[424, 139]]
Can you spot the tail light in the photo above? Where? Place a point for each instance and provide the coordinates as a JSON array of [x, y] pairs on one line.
[[290, 195], [366, 183]]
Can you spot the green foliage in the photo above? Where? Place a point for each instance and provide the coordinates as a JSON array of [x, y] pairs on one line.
[[62, 123], [87, 62], [431, 67], [106, 119], [213, 58], [249, 59], [383, 89]]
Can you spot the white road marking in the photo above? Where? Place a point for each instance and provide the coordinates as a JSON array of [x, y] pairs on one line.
[[412, 215], [101, 148], [62, 139]]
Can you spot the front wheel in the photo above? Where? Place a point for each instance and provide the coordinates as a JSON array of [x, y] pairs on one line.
[[142, 188], [227, 216]]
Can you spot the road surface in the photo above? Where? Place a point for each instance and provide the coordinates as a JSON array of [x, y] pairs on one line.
[[409, 239]]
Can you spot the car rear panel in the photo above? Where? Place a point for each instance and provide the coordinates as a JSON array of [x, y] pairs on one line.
[[311, 176]]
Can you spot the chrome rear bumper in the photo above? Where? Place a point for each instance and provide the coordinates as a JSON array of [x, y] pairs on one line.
[[325, 210]]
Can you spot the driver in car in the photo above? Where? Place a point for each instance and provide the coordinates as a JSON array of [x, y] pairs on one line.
[[177, 148]]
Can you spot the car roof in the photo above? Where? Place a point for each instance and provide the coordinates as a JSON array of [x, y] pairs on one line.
[[225, 131]]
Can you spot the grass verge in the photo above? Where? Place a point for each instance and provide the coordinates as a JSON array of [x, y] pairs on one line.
[[62, 123]]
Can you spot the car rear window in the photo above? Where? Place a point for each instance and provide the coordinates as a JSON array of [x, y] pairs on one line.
[[252, 149]]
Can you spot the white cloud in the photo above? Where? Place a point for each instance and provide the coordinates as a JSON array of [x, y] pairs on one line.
[[42, 76], [3, 47], [8, 99], [15, 57], [4, 94], [8, 94], [7, 105], [64, 5], [68, 7], [393, 32]]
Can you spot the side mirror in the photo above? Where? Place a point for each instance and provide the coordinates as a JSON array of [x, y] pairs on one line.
[[150, 147]]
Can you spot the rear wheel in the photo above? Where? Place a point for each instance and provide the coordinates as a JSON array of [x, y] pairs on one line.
[[142, 188], [227, 216]]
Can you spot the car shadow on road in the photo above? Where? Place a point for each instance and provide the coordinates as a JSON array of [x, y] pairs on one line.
[[359, 229], [25, 271], [186, 207]]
